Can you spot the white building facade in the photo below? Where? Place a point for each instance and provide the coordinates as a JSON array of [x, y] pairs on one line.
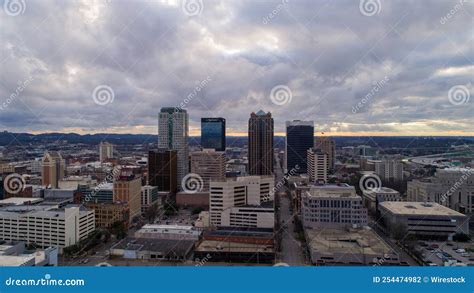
[[451, 187], [332, 206], [318, 166], [46, 225], [242, 202]]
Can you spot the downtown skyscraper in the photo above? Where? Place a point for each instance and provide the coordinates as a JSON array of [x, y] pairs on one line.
[[173, 129], [260, 144], [299, 139], [213, 133]]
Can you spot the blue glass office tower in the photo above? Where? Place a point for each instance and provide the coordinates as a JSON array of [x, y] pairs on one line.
[[213, 133], [299, 138]]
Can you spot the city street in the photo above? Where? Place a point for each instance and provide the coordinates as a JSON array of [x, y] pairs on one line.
[[291, 249]]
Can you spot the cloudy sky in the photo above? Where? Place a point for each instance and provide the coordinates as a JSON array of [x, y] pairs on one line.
[[377, 67]]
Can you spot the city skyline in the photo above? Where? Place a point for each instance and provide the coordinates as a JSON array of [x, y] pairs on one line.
[[107, 66]]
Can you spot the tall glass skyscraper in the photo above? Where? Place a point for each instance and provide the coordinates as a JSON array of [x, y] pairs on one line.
[[173, 132], [299, 138], [213, 133]]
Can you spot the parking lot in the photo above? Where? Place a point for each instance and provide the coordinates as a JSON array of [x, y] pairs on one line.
[[437, 253]]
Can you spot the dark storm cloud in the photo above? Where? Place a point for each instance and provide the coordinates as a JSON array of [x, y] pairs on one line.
[[152, 54]]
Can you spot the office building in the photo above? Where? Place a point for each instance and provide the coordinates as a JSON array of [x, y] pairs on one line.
[[213, 134], [328, 146], [127, 189], [208, 164], [423, 219], [106, 151], [299, 138], [102, 193], [242, 202], [451, 187], [317, 166], [173, 131], [389, 170], [162, 170], [372, 198], [107, 214], [193, 200], [332, 206], [46, 225], [260, 144], [53, 169], [150, 197]]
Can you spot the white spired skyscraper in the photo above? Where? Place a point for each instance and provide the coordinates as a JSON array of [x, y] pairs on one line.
[[173, 135]]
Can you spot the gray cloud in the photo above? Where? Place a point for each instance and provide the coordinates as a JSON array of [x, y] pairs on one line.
[[153, 55]]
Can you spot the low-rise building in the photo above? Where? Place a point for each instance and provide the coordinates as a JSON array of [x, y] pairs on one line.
[[15, 254], [46, 225], [242, 245], [373, 197], [150, 197], [173, 232], [345, 246], [332, 205], [193, 200], [153, 249], [106, 214], [451, 187], [423, 219]]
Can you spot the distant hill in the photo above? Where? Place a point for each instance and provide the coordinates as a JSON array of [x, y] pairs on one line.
[[8, 138], [12, 139]]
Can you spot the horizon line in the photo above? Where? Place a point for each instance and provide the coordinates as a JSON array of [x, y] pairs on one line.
[[277, 134]]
